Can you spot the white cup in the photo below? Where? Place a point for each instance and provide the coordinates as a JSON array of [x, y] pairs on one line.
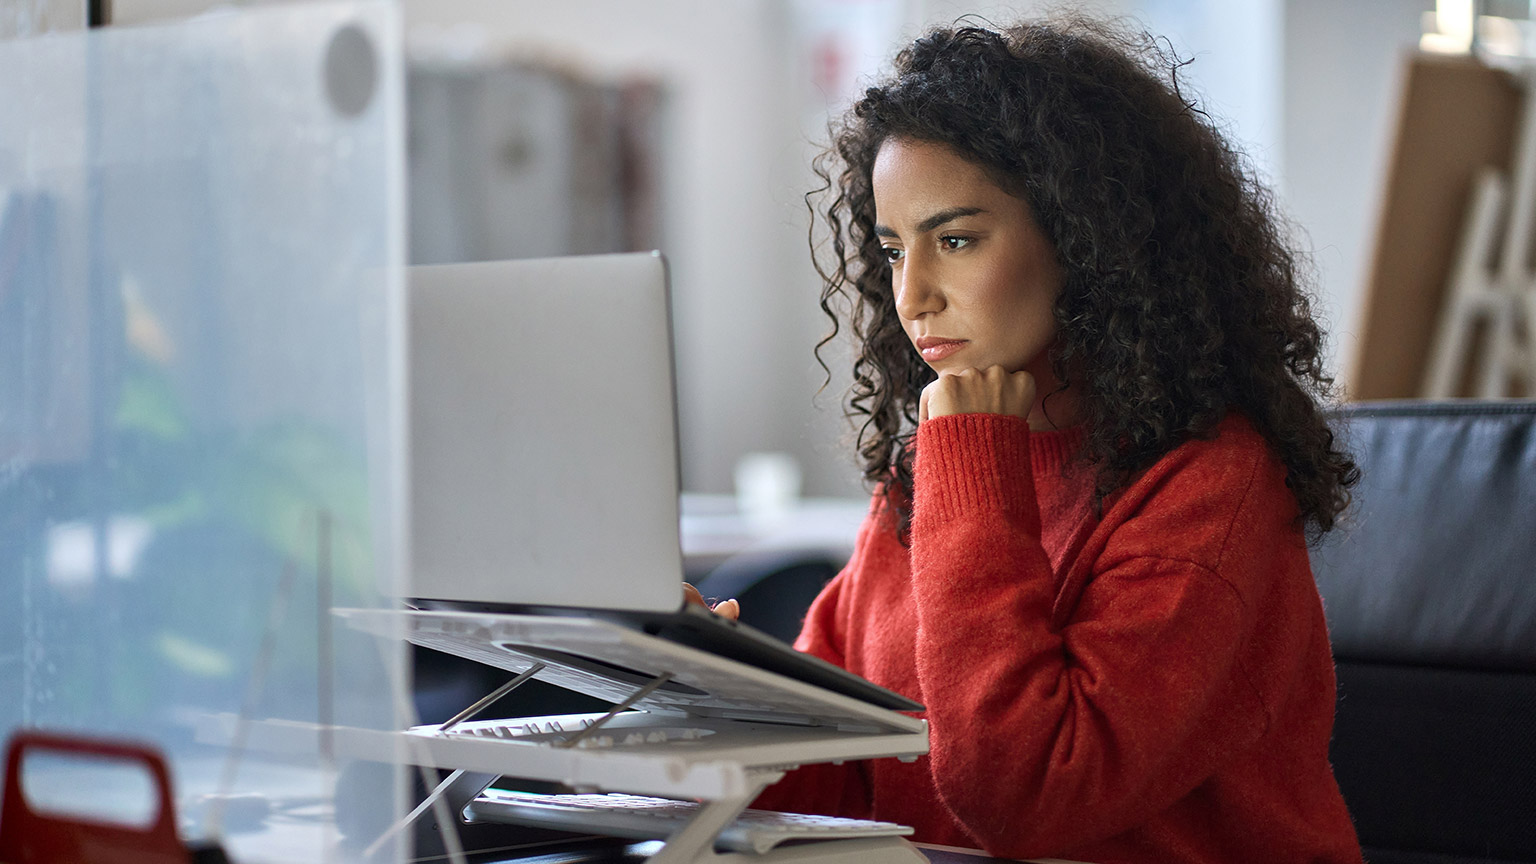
[[767, 487]]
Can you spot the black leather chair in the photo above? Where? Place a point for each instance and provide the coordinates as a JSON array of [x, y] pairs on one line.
[[1430, 592]]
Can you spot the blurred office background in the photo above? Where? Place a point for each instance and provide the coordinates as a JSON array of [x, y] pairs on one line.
[[594, 125]]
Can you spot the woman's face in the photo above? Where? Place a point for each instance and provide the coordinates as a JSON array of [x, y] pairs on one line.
[[973, 276]]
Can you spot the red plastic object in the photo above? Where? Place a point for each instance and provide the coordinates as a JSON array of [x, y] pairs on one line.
[[28, 837]]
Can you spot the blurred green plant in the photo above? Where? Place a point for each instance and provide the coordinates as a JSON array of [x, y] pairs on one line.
[[227, 512]]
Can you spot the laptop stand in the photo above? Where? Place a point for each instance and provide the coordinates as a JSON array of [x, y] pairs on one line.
[[686, 724]]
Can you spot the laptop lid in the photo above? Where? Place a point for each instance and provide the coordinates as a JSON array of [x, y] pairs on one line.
[[543, 434]]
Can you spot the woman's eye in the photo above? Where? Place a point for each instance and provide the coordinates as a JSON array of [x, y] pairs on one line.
[[953, 243], [892, 254]]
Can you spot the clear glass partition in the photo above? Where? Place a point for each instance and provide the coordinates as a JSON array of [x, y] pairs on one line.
[[201, 438]]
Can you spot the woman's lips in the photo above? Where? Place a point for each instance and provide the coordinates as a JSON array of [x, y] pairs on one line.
[[933, 348]]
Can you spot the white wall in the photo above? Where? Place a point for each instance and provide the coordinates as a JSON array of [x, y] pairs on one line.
[[1343, 66], [1236, 47]]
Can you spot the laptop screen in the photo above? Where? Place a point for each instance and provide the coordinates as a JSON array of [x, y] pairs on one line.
[[543, 434]]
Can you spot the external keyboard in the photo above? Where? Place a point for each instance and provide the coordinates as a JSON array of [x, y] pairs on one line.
[[641, 818]]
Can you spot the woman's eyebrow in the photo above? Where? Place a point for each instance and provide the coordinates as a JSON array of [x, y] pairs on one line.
[[943, 216], [933, 221]]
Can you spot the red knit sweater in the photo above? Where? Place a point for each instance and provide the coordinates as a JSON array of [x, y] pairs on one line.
[[1155, 685]]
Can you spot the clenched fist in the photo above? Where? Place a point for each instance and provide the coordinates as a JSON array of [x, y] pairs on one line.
[[993, 390]]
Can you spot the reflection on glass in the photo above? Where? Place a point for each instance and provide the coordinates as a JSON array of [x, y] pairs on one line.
[[199, 274]]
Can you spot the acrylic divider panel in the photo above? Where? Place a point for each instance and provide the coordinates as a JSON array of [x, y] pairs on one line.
[[201, 408]]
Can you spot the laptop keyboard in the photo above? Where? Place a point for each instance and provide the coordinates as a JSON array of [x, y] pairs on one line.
[[557, 731], [643, 818]]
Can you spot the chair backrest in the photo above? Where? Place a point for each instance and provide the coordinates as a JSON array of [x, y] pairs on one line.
[[1430, 590]]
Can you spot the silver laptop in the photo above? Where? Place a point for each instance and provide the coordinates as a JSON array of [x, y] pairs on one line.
[[543, 445], [544, 458]]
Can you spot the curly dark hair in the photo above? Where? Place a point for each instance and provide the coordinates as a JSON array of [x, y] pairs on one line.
[[1182, 300]]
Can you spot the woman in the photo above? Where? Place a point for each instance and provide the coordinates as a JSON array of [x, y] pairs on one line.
[[1090, 386]]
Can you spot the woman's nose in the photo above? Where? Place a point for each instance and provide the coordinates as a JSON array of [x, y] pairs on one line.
[[917, 292]]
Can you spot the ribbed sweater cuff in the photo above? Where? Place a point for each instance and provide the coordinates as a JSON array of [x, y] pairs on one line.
[[970, 464]]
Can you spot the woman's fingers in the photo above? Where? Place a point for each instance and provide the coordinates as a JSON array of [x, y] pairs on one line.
[[726, 608], [993, 390]]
